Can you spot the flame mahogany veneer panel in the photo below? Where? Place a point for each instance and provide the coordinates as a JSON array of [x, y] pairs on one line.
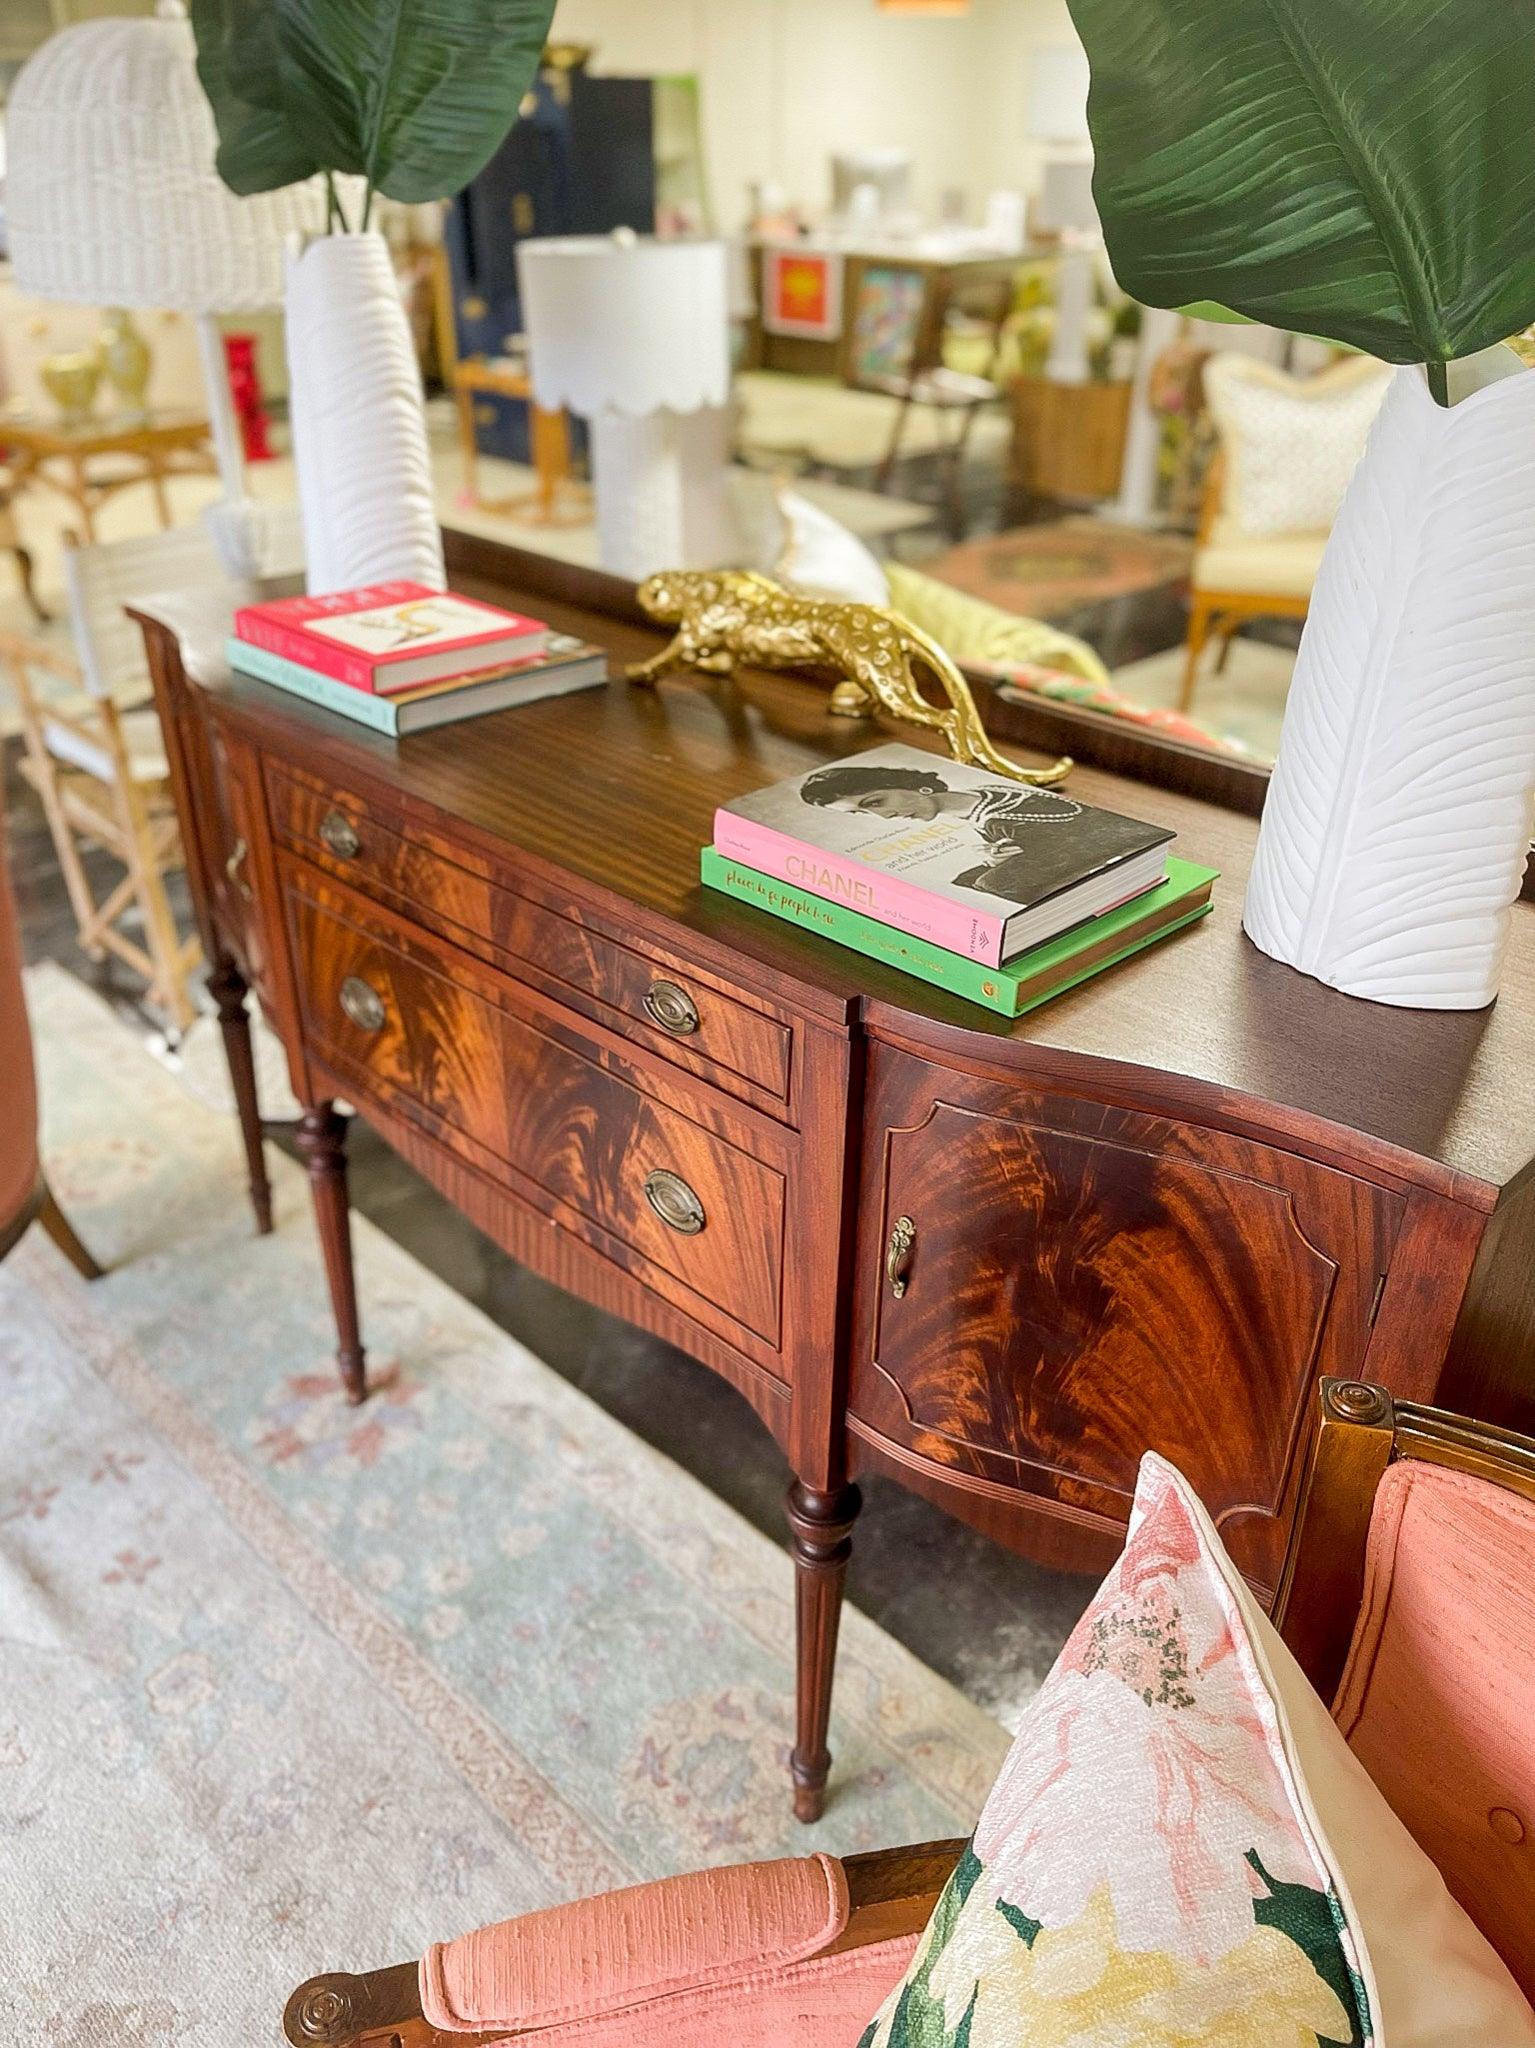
[[1087, 1281], [743, 1043], [454, 1053]]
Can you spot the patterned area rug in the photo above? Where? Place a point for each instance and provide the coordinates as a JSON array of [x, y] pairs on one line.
[[290, 1686], [1049, 570]]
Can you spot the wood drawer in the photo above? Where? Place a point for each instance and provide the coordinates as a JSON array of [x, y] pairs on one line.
[[1080, 1283], [651, 996], [442, 1041]]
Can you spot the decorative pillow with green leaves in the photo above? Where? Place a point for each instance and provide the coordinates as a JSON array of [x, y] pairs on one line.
[[1182, 1852]]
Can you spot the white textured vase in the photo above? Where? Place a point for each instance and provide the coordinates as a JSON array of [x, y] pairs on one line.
[[359, 429], [1398, 819]]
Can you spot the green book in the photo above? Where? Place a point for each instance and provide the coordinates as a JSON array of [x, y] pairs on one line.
[[1026, 981]]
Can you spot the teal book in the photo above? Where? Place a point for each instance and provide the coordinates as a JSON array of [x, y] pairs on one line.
[[569, 665], [1028, 979]]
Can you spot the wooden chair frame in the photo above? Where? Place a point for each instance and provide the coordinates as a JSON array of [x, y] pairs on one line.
[[133, 818], [893, 1891], [946, 290], [1223, 613]]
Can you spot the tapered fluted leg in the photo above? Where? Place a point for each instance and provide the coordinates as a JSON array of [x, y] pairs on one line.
[[227, 986], [321, 1140], [821, 1541]]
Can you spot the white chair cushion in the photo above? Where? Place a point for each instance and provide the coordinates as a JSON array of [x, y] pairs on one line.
[[1282, 566], [141, 736], [1291, 443]]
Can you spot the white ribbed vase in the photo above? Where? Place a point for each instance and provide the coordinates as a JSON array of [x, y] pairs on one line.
[[1398, 820], [359, 428]]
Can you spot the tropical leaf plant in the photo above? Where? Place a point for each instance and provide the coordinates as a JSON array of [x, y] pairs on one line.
[[1361, 170], [413, 96]]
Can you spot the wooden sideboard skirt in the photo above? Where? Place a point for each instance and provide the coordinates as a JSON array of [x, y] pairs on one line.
[[997, 1262]]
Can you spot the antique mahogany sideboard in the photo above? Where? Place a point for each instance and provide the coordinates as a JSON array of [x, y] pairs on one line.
[[995, 1261]]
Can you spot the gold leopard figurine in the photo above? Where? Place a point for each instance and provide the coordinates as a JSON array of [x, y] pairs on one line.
[[724, 616]]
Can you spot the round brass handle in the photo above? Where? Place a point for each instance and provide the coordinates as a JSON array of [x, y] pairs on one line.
[[671, 1007], [340, 835], [363, 1004], [898, 1253], [674, 1202], [234, 864]]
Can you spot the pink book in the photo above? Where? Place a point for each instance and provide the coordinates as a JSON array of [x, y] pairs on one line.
[[386, 637], [959, 856]]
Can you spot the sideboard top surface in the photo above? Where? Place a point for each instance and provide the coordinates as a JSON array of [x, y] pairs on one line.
[[618, 786]]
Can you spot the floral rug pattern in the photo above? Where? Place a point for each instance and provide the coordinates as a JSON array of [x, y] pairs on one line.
[[286, 1685]]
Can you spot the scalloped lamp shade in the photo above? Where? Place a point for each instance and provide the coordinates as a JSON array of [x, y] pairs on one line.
[[111, 193], [634, 335], [626, 325]]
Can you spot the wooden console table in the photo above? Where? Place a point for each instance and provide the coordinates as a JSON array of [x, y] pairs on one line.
[[996, 1262]]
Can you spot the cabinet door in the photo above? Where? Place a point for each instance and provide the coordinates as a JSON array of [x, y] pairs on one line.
[[1076, 1283]]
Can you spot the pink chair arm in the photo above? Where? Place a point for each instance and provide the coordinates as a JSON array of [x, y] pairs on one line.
[[797, 1954], [629, 1948]]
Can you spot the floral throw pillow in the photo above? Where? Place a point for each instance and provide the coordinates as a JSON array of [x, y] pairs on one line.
[[1181, 1852]]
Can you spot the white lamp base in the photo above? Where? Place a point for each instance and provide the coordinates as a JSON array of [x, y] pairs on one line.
[[662, 497], [1075, 282]]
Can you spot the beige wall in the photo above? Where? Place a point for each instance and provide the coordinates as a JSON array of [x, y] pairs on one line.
[[784, 82]]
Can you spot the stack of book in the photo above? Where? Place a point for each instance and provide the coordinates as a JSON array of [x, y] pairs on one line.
[[401, 658], [996, 891]]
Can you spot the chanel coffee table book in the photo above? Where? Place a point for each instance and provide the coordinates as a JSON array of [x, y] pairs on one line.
[[957, 856], [390, 636]]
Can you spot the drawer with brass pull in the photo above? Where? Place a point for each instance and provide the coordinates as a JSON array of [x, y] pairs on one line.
[[408, 1022], [653, 998]]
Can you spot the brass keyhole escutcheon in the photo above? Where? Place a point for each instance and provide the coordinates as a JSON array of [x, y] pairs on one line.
[[363, 1004], [903, 1240], [674, 1202], [671, 1008], [340, 835]]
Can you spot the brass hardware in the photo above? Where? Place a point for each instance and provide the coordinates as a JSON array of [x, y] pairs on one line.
[[674, 1202], [340, 835], [363, 1004], [898, 1254], [726, 615], [670, 1007], [233, 865]]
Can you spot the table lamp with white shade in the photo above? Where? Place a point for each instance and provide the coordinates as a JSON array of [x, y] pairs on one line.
[[633, 334], [112, 198], [1057, 119]]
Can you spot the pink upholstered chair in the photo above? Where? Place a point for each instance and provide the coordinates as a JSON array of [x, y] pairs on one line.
[[1407, 1592]]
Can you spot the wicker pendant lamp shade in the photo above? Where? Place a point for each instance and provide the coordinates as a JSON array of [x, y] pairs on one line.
[[112, 197]]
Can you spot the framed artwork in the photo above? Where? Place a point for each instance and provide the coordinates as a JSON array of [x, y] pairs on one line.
[[802, 293], [888, 300]]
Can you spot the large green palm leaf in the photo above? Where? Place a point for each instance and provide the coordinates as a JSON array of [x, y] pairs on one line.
[[413, 95], [1359, 169]]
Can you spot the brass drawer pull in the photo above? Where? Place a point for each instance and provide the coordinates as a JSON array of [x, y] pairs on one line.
[[898, 1254], [233, 866], [674, 1202], [363, 1004], [340, 835], [671, 1007]]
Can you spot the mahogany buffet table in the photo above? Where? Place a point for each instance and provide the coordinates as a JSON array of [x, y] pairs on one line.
[[996, 1261]]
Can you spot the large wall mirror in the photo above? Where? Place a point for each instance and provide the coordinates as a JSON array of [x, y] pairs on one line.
[[1113, 514]]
